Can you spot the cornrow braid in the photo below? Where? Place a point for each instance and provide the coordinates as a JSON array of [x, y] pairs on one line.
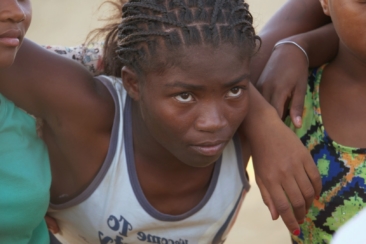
[[130, 6], [149, 26]]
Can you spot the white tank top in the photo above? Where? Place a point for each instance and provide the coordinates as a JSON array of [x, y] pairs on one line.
[[114, 210]]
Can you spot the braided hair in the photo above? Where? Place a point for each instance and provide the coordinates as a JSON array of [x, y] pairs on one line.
[[150, 26]]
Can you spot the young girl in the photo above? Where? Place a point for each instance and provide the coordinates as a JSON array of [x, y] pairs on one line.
[[25, 176], [164, 126], [80, 138], [333, 126], [183, 125]]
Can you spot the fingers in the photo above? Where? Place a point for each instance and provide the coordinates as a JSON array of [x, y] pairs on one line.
[[278, 97], [267, 199], [297, 105], [277, 202], [306, 189], [314, 177], [284, 209], [52, 225], [296, 198]]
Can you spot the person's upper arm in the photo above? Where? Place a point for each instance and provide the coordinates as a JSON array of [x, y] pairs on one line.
[[294, 17], [54, 88]]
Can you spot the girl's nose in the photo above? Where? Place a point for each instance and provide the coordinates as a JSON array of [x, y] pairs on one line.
[[210, 119], [11, 11]]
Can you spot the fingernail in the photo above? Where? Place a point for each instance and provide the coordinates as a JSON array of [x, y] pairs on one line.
[[298, 121], [307, 211], [300, 222], [296, 232], [317, 197]]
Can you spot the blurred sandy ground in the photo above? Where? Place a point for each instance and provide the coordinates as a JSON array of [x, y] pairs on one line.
[[67, 22]]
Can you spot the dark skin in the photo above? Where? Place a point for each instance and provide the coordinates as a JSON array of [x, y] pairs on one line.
[[293, 18], [15, 18], [78, 137], [273, 195], [285, 81], [202, 108], [342, 88]]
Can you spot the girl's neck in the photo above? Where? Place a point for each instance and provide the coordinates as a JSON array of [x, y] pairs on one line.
[[342, 96], [349, 66]]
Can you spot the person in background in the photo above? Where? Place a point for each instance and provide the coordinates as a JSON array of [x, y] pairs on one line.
[[25, 175], [332, 122]]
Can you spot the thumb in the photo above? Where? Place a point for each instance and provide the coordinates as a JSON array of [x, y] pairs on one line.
[[297, 105], [52, 225], [267, 199]]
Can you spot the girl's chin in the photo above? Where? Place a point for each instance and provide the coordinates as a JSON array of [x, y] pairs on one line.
[[202, 161], [7, 57]]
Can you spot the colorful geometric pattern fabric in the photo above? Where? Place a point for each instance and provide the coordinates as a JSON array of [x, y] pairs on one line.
[[342, 168]]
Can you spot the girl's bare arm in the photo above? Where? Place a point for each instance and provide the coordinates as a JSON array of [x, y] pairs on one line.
[[287, 177], [294, 17], [77, 110]]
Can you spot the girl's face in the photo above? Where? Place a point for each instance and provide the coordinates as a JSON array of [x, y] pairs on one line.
[[349, 19], [194, 108], [15, 18]]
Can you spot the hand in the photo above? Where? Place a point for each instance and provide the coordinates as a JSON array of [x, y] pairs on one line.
[[284, 79], [285, 172], [52, 225]]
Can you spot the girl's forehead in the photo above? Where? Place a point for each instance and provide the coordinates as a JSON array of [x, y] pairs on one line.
[[208, 54], [205, 63], [197, 59]]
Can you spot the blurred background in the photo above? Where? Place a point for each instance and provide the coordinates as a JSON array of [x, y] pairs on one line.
[[68, 22]]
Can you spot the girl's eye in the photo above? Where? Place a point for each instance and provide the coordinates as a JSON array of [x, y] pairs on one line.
[[234, 92], [184, 97]]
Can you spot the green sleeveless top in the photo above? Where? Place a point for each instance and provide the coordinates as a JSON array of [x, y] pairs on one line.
[[342, 169], [25, 178]]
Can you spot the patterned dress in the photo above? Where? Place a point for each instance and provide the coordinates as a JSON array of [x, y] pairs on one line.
[[88, 55], [342, 168]]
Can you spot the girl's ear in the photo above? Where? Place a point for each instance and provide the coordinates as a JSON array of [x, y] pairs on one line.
[[131, 82], [325, 6]]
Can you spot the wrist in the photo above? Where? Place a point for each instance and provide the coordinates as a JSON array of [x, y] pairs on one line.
[[298, 43], [299, 39], [255, 126]]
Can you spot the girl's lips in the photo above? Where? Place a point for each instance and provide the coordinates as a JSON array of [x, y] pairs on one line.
[[10, 38], [9, 41], [209, 150]]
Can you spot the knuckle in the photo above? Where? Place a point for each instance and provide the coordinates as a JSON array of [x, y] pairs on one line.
[[309, 193], [269, 180], [283, 207], [316, 178], [298, 204]]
